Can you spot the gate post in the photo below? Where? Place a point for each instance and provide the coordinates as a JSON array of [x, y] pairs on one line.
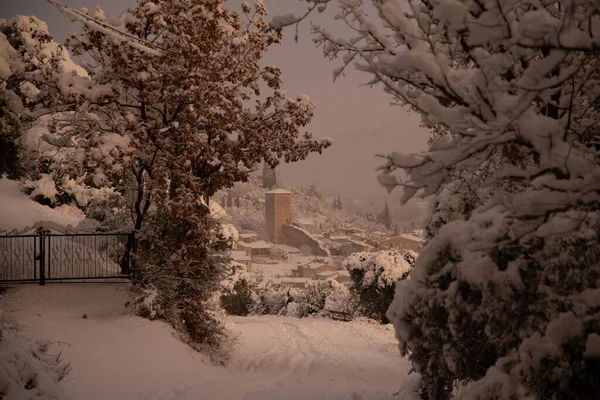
[[133, 255], [42, 256]]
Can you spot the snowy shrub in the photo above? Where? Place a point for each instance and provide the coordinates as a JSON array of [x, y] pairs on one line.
[[273, 299], [374, 276], [527, 314], [340, 298], [238, 290], [185, 261], [309, 301], [146, 303], [28, 370]]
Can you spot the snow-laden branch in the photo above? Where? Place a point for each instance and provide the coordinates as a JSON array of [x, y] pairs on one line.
[[113, 32]]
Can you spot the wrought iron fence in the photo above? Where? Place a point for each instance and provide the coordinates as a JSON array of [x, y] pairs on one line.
[[48, 256]]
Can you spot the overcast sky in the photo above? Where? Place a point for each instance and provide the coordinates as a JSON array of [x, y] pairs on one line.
[[359, 118]]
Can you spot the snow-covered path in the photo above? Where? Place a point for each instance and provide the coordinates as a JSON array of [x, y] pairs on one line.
[[119, 356]]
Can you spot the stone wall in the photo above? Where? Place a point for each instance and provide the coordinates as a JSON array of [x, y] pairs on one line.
[[298, 237]]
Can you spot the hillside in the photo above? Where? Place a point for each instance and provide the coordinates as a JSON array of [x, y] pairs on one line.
[[313, 212]]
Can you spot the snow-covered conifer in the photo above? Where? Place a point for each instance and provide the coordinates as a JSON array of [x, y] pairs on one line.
[[499, 298]]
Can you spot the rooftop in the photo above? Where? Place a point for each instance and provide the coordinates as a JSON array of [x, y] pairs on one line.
[[315, 265], [408, 236], [248, 235], [359, 243], [278, 191], [286, 248], [259, 244], [328, 273], [291, 280]]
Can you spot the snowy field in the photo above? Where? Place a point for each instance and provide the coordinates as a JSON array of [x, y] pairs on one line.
[[115, 355]]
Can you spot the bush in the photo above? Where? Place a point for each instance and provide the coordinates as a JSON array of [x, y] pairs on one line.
[[181, 264], [28, 369], [311, 300], [518, 319], [374, 276], [238, 290]]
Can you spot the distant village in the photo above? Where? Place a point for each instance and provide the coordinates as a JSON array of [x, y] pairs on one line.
[[292, 255]]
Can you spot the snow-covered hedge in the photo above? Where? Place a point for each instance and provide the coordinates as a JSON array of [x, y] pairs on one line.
[[527, 314], [374, 276]]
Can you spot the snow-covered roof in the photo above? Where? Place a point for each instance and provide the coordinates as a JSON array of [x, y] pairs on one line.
[[327, 273], [359, 243], [286, 248], [412, 237], [378, 233], [285, 280], [248, 235], [316, 265], [259, 244], [278, 191], [353, 228]]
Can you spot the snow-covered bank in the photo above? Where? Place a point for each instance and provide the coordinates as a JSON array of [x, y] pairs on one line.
[[119, 356], [18, 211]]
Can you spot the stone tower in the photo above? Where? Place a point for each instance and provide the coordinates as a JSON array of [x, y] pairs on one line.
[[278, 212]]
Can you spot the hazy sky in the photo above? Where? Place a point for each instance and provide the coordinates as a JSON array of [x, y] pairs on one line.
[[360, 119]]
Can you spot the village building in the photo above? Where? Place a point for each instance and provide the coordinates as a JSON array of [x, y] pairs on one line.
[[311, 269], [340, 238], [293, 282], [352, 230], [278, 213], [404, 241], [242, 258], [355, 246], [248, 237], [258, 249]]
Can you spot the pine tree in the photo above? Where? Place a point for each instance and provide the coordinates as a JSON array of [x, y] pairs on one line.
[[385, 217], [337, 203]]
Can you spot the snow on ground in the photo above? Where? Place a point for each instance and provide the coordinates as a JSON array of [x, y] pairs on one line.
[[19, 211], [115, 355]]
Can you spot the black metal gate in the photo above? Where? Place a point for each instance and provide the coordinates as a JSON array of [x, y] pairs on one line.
[[57, 257]]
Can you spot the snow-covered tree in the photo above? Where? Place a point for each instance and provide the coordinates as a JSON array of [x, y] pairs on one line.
[[238, 290], [315, 191], [501, 297], [269, 177], [188, 109], [337, 203], [374, 277], [10, 106], [385, 217], [32, 65]]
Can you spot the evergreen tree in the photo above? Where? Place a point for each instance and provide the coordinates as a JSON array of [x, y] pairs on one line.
[[337, 203], [314, 191], [385, 217]]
